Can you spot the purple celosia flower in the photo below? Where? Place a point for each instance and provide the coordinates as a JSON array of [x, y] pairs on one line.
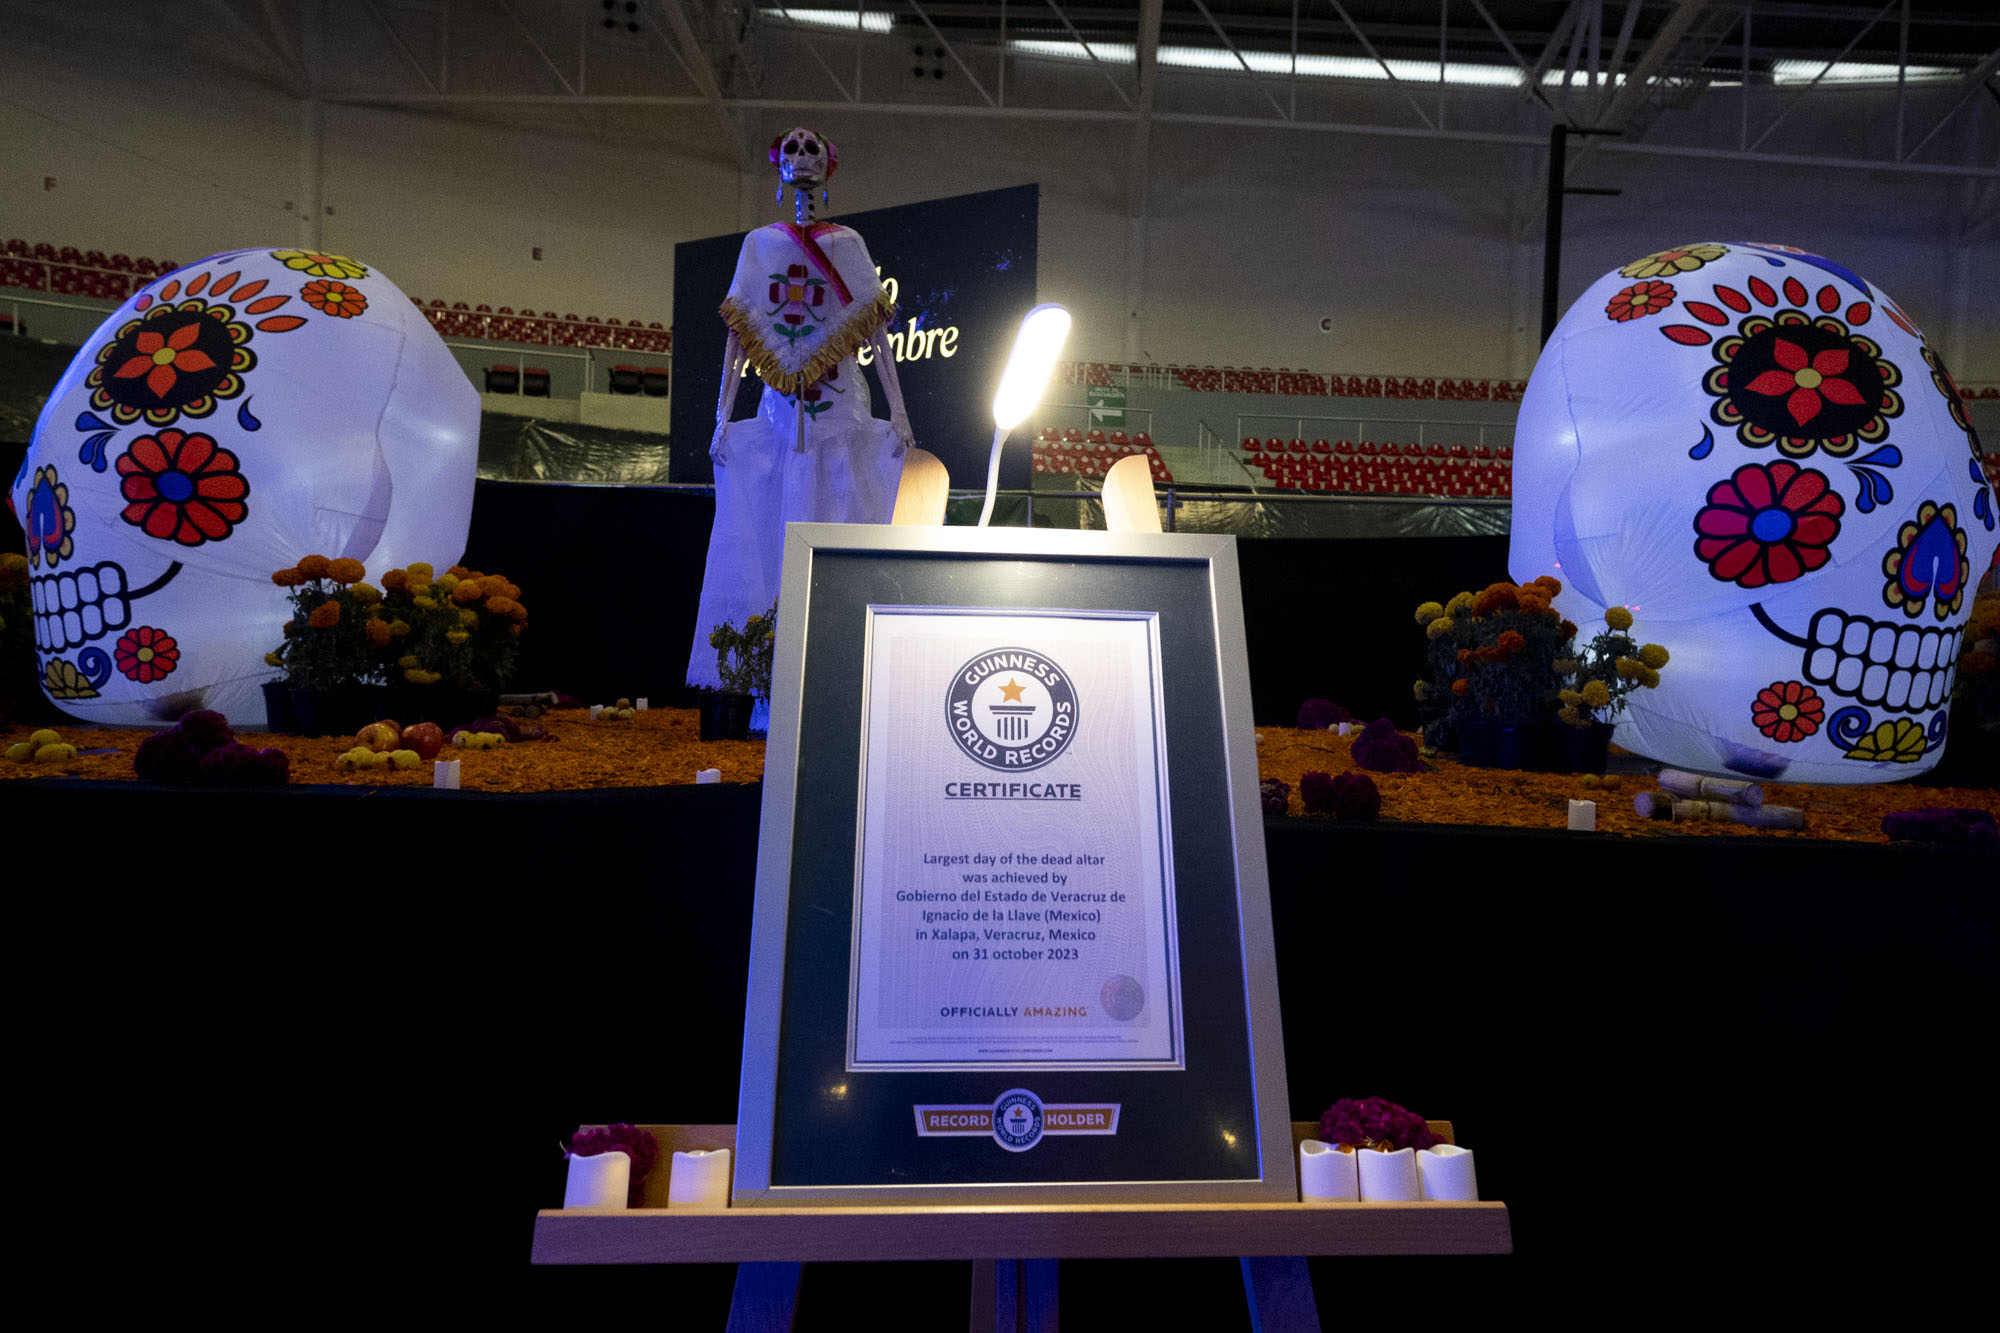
[[236, 764], [1940, 824], [636, 1143], [205, 730], [166, 757], [1274, 793], [1319, 714], [1371, 1122], [1385, 750]]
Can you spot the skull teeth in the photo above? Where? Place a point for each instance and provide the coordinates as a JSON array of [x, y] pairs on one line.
[[72, 609], [1899, 667]]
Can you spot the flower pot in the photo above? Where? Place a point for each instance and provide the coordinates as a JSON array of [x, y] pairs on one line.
[[340, 710], [1483, 743], [726, 717], [279, 715], [1585, 749]]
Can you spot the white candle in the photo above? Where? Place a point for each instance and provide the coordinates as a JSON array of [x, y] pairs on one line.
[[444, 775], [1326, 1174], [1388, 1177], [595, 709], [1345, 727], [1583, 816], [598, 1181], [700, 1179], [639, 704], [702, 775], [1445, 1172]]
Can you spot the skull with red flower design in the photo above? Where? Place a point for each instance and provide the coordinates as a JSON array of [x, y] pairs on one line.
[[1741, 461], [227, 418]]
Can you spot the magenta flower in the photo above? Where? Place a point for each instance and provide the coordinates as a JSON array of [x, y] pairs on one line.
[[1767, 524]]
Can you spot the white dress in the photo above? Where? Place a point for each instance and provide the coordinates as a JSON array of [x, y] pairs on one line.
[[814, 452]]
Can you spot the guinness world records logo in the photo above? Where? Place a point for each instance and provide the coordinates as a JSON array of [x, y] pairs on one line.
[[1011, 709], [1017, 1120]]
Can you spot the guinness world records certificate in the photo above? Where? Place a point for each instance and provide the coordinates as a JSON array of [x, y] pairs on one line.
[[1014, 898]]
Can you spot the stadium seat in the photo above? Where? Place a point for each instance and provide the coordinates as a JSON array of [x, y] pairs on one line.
[[503, 379], [626, 379], [657, 380], [535, 383]]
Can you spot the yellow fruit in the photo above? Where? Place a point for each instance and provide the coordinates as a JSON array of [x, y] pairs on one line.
[[43, 737], [21, 753], [405, 758], [57, 753]]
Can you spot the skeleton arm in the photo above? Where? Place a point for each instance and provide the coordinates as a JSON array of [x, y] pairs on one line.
[[885, 366], [733, 359]]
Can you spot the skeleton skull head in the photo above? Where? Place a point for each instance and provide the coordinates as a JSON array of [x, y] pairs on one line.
[[1754, 450], [227, 419], [804, 158]]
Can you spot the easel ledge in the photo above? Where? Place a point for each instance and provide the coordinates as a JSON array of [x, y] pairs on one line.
[[653, 1234]]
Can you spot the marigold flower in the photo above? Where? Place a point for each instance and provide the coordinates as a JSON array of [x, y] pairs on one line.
[[1562, 666], [1438, 628], [396, 580], [272, 659], [461, 572], [1464, 656], [1596, 693], [1421, 689], [1649, 678], [1618, 618], [408, 661], [515, 630], [457, 636], [13, 562], [366, 594], [1653, 656], [1571, 716], [377, 632], [465, 593], [399, 628], [346, 570], [1531, 605], [1510, 642], [315, 566], [417, 676], [469, 619], [500, 606], [1551, 583], [288, 578], [520, 614], [425, 602], [1629, 668], [421, 569], [1567, 629], [1461, 685], [1426, 613], [326, 615], [1498, 597], [1570, 697], [449, 582], [1459, 604]]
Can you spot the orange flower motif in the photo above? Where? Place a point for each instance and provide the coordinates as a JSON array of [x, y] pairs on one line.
[[325, 616], [334, 298]]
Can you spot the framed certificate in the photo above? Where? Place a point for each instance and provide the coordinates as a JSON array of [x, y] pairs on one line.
[[1012, 930]]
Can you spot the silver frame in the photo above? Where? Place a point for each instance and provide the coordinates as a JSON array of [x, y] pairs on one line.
[[756, 1108]]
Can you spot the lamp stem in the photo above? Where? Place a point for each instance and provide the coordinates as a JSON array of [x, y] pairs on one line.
[[1000, 434]]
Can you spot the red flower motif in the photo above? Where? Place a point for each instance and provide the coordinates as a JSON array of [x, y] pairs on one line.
[[146, 654], [1807, 383], [1767, 524], [1639, 300], [184, 488], [162, 359], [1787, 710]]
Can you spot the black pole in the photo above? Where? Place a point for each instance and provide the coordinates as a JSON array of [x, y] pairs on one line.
[[1552, 238]]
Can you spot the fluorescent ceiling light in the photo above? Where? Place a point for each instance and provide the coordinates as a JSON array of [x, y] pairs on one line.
[[1850, 71], [1280, 63], [844, 19]]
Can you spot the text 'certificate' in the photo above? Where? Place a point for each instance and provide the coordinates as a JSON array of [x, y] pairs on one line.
[[1014, 901]]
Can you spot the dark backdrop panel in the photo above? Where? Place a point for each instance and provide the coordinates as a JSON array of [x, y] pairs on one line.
[[967, 261], [1735, 1089]]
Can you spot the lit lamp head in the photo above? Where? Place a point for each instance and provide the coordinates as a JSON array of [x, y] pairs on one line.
[[1036, 347]]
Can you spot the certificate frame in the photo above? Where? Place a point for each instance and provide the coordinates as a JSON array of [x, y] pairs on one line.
[[811, 1130]]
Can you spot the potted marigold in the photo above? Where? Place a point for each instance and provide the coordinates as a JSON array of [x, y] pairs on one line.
[[1492, 680], [1596, 682], [743, 664], [332, 669], [449, 641]]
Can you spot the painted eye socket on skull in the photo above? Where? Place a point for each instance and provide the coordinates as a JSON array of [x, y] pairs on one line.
[[791, 147]]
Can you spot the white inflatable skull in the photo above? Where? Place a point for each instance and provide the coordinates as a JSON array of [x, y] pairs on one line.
[[227, 419], [1754, 450]]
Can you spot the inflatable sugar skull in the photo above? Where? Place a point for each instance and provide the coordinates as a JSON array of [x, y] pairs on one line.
[[1755, 451], [227, 419]]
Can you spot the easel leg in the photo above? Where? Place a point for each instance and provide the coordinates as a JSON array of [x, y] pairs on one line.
[[1281, 1295], [767, 1297], [1014, 1296]]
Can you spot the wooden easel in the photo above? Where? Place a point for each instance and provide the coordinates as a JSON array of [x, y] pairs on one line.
[[768, 1245]]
